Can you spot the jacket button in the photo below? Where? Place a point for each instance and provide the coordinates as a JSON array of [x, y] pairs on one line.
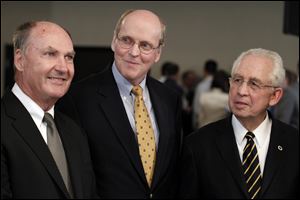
[[151, 195]]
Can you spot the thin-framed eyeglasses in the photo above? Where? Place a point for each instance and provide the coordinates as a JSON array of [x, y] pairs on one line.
[[127, 42], [253, 84]]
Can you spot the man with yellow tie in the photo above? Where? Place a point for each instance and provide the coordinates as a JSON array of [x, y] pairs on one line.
[[133, 122]]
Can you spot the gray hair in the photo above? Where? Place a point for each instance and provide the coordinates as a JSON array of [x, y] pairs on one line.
[[277, 75], [21, 35], [121, 19]]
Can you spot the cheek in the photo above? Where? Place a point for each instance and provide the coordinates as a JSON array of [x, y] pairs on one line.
[[71, 71], [148, 60], [119, 52]]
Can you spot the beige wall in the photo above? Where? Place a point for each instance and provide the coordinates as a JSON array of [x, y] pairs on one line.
[[196, 31]]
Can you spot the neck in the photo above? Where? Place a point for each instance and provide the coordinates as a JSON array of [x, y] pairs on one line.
[[251, 123]]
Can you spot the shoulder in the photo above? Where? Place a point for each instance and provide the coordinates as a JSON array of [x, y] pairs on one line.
[[285, 129], [65, 121], [207, 134], [161, 88], [93, 80]]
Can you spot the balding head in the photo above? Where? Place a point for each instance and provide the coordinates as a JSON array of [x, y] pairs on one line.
[[23, 32], [145, 16]]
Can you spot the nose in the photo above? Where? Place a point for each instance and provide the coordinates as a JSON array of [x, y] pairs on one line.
[[135, 50], [61, 64], [243, 89]]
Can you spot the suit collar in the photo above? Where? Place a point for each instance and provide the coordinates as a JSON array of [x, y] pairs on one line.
[[277, 150], [110, 102], [72, 154], [112, 106], [162, 115], [227, 147]]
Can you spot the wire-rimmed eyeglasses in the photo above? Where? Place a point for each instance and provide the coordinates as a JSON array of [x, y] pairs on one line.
[[253, 84], [127, 42]]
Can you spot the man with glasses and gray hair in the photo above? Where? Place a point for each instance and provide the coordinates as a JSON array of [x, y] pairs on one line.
[[133, 121], [249, 154]]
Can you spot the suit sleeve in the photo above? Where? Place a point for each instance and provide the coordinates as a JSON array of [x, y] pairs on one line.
[[5, 183]]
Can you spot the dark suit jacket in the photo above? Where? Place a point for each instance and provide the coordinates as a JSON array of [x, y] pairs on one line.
[[115, 154], [212, 169], [28, 169]]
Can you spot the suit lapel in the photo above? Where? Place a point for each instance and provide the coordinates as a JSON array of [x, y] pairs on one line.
[[228, 149], [111, 104], [26, 128], [274, 157], [161, 115], [72, 154]]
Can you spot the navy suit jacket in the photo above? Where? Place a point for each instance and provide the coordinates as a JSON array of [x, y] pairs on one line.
[[211, 166], [96, 105], [28, 169]]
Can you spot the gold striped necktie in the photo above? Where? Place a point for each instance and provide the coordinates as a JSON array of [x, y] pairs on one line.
[[251, 167], [145, 134]]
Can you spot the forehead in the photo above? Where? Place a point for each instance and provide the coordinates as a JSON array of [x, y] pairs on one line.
[[142, 25], [255, 66], [47, 34]]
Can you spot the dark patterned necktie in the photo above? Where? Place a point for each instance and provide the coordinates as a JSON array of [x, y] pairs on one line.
[[251, 167], [56, 148], [145, 134]]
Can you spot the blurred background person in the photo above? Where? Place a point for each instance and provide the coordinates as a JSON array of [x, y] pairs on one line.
[[210, 68], [287, 110], [214, 103], [171, 73], [189, 81]]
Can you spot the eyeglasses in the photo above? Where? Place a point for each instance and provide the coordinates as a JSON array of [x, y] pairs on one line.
[[127, 42], [253, 84]]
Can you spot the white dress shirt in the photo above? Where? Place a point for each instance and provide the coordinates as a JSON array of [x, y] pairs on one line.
[[262, 138], [35, 111]]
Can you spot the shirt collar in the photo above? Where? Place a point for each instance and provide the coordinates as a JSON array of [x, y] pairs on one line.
[[36, 112], [123, 84], [261, 132]]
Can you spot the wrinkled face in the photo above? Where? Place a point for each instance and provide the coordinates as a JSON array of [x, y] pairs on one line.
[[246, 103], [143, 28], [45, 69]]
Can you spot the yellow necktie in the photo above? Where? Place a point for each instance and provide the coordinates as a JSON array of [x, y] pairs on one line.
[[145, 134]]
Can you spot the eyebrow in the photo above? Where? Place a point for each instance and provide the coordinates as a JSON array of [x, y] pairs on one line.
[[121, 35], [72, 53], [250, 79]]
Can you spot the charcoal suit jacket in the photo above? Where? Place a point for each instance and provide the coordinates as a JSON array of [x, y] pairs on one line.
[[212, 169], [95, 103], [28, 169]]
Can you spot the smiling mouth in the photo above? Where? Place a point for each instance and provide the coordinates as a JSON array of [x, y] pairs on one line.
[[132, 62], [57, 78]]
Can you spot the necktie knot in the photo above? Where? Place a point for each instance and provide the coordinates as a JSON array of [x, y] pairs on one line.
[[137, 90], [250, 135], [48, 119]]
